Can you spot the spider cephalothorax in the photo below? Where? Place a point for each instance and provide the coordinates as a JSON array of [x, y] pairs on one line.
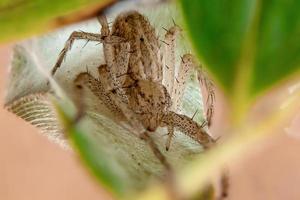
[[149, 101], [145, 60]]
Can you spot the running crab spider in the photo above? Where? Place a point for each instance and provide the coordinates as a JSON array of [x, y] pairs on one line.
[[138, 80]]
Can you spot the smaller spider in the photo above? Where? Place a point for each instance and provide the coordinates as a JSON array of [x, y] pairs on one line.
[[138, 80]]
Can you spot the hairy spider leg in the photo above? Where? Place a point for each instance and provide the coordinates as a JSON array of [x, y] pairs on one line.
[[116, 54], [190, 128], [68, 45], [169, 46], [187, 63], [210, 100]]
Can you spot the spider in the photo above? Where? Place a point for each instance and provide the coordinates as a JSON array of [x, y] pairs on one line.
[[138, 80]]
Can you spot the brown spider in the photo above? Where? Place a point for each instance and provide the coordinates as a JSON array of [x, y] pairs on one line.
[[138, 80]]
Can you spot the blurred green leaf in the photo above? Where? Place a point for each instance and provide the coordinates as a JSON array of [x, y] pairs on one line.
[[21, 18], [247, 45], [208, 193], [278, 43], [94, 156]]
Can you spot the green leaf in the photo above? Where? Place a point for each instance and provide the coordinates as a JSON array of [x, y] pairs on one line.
[[92, 153], [21, 18], [247, 45], [278, 43]]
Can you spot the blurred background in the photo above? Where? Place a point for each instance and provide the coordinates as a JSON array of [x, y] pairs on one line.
[[33, 168]]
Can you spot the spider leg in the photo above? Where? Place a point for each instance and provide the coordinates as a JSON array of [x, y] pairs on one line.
[[169, 45], [116, 54], [145, 136], [208, 86], [79, 35], [68, 45], [187, 63], [170, 136], [157, 68], [193, 130], [117, 59], [104, 25], [224, 184], [190, 128]]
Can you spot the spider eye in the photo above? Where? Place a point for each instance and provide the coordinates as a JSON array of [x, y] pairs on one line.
[[142, 39]]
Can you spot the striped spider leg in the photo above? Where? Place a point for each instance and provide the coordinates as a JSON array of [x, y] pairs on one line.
[[175, 84]]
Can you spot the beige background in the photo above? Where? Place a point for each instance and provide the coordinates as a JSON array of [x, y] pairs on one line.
[[32, 168]]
